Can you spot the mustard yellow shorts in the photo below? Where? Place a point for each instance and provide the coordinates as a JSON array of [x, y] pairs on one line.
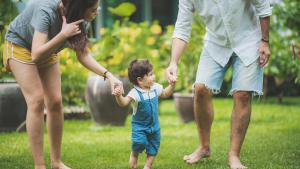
[[23, 55]]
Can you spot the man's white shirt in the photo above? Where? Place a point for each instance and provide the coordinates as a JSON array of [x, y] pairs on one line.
[[231, 26]]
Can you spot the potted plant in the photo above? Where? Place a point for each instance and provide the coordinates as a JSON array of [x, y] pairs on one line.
[[12, 117]]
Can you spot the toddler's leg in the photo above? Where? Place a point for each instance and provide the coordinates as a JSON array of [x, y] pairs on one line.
[[133, 159], [149, 162]]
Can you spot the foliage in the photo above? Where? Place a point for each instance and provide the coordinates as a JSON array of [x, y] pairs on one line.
[[74, 77], [283, 32], [127, 41], [125, 9], [8, 11]]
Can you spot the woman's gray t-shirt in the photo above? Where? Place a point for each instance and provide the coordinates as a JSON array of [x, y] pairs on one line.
[[39, 15]]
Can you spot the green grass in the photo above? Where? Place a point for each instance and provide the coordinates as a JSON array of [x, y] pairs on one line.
[[273, 141]]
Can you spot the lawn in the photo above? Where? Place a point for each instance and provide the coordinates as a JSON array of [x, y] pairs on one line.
[[272, 142]]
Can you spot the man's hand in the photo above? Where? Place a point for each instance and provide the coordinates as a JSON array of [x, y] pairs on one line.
[[171, 73], [264, 53]]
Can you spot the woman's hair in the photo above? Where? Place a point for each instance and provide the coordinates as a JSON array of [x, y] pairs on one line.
[[74, 10], [138, 68]]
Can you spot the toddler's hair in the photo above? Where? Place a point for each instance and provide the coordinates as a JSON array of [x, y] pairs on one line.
[[138, 68]]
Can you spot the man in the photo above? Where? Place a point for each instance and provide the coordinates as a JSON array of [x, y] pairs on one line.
[[237, 35]]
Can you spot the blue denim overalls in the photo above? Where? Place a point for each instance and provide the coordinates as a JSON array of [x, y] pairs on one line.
[[145, 126]]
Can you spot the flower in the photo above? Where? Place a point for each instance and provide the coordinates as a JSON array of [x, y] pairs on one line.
[[156, 29], [150, 41]]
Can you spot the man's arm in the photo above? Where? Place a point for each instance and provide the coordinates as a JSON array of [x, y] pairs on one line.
[[178, 47], [264, 11], [264, 49], [264, 23], [181, 35]]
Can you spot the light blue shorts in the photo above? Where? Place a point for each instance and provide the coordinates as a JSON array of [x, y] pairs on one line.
[[244, 78]]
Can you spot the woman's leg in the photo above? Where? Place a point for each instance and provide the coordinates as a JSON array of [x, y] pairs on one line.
[[28, 78], [51, 80]]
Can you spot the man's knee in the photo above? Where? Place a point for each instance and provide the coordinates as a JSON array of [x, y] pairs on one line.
[[243, 97], [201, 90]]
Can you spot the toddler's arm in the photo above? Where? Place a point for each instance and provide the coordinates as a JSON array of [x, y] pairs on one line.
[[168, 90], [121, 100]]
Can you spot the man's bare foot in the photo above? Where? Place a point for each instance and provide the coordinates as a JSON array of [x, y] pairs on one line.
[[235, 163], [59, 166], [133, 159], [198, 154]]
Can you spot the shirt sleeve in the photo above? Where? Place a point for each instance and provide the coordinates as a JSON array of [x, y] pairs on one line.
[[159, 88], [40, 20], [133, 94], [262, 8], [183, 26]]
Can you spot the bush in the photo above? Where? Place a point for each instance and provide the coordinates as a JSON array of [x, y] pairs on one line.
[[8, 12], [127, 41], [74, 77]]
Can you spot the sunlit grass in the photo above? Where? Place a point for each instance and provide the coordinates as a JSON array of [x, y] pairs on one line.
[[273, 141]]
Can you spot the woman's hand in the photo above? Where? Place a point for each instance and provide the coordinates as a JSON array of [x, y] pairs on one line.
[[70, 29], [115, 84]]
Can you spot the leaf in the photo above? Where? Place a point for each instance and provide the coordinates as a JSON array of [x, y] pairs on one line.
[[125, 9]]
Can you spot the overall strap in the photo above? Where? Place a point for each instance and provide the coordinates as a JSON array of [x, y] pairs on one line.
[[140, 94], [155, 93]]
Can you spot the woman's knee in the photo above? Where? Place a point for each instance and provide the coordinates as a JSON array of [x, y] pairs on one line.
[[35, 103], [54, 104]]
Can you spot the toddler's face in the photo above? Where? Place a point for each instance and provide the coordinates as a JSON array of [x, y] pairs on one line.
[[148, 80]]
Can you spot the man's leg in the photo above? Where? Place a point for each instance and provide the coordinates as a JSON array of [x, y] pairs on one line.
[[51, 81], [239, 123], [204, 114]]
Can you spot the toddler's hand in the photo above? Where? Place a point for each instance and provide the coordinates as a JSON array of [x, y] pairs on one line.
[[118, 91], [172, 83]]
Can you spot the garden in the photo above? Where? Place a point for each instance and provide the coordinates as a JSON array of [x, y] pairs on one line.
[[97, 132]]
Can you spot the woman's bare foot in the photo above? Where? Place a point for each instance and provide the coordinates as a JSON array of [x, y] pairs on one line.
[[133, 159], [197, 155], [59, 166], [235, 162]]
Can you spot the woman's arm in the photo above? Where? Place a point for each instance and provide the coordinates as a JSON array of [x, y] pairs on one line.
[[42, 47], [90, 63]]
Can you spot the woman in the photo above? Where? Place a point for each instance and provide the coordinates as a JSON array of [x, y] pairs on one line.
[[32, 42]]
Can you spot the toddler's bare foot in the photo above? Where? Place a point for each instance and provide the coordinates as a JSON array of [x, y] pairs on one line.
[[59, 166], [235, 163], [39, 167], [197, 155], [147, 167], [133, 160]]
